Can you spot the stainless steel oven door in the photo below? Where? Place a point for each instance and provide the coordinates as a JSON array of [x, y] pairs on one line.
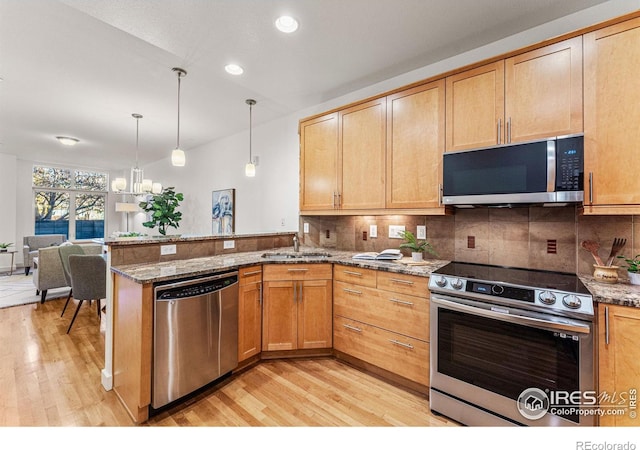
[[484, 357]]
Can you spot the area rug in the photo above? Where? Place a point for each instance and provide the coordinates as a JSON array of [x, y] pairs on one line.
[[19, 289]]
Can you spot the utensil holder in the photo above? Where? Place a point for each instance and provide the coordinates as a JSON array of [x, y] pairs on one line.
[[605, 274]]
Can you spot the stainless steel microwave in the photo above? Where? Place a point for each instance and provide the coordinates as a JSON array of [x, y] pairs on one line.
[[548, 171]]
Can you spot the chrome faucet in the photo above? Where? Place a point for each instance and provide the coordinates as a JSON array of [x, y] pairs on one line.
[[296, 244]]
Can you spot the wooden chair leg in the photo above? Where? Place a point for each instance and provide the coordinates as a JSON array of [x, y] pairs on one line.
[[67, 302], [74, 316], [98, 308], [43, 296]]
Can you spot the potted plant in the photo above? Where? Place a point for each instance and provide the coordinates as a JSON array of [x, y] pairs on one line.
[[4, 246], [417, 247], [633, 268], [162, 210]]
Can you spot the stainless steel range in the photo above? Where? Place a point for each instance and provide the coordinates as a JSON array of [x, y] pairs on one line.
[[511, 346]]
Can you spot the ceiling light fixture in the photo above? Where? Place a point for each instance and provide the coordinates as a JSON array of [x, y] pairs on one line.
[[234, 69], [65, 140], [177, 155], [286, 24], [250, 168]]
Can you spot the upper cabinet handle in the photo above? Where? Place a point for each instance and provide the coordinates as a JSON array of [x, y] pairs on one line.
[[499, 131], [590, 187]]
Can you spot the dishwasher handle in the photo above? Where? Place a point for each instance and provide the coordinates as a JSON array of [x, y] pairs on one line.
[[196, 287]]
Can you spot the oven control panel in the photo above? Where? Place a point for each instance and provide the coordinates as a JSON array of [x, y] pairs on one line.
[[558, 301]]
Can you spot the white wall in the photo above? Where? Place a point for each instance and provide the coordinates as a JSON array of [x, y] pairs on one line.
[[8, 201]]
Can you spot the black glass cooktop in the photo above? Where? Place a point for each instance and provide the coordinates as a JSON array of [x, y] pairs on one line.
[[528, 278]]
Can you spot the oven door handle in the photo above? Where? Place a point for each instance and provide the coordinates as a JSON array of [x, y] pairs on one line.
[[570, 326]]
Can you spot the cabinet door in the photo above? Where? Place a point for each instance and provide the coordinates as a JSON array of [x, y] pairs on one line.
[[319, 163], [315, 314], [361, 171], [415, 143], [619, 358], [249, 312], [543, 92], [279, 316], [612, 96], [475, 108]]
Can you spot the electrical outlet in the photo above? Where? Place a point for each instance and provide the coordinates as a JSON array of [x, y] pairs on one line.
[[373, 231], [282, 222], [421, 232], [364, 235], [229, 244], [394, 230], [305, 227], [168, 249]]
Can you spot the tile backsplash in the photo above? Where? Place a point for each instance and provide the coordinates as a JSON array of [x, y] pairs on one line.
[[546, 238]]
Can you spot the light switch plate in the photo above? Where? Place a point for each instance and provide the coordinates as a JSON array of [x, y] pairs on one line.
[[305, 227], [373, 231], [168, 249], [229, 244], [421, 232], [394, 230]]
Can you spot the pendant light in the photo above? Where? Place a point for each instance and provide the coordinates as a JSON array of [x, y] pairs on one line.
[[177, 155], [136, 172], [250, 168]]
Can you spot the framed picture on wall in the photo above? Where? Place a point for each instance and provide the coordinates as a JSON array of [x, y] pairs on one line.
[[223, 212]]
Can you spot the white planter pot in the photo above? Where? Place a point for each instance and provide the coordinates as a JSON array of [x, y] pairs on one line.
[[416, 256], [634, 278]]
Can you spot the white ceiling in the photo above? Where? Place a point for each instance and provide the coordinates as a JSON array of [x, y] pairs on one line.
[[81, 67]]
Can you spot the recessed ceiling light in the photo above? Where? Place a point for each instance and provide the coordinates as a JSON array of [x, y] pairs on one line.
[[234, 69], [67, 140], [286, 24]]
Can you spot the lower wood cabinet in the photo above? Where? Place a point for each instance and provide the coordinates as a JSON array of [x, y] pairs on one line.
[[249, 312], [619, 361], [297, 309]]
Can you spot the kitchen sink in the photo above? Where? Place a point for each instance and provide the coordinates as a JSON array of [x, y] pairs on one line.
[[303, 255]]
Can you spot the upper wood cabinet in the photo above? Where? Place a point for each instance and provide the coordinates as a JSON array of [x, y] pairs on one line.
[[415, 143], [530, 96], [319, 163], [612, 116], [361, 167]]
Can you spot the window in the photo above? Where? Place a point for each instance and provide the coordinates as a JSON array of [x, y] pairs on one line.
[[69, 202]]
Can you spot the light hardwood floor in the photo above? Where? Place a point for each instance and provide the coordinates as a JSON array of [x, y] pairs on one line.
[[49, 378]]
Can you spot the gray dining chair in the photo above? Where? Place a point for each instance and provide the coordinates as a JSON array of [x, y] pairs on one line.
[[88, 280], [65, 251]]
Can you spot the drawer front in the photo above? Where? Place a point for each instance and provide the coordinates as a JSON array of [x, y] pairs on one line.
[[250, 275], [275, 272], [399, 354], [404, 284], [355, 275], [404, 314]]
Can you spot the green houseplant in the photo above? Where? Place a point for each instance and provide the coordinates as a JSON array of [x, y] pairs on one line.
[[417, 247], [633, 268], [5, 245], [162, 210]]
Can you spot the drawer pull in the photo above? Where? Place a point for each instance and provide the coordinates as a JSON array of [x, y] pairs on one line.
[[297, 270], [352, 328], [395, 280], [246, 274], [352, 291], [402, 302], [402, 344], [348, 272]]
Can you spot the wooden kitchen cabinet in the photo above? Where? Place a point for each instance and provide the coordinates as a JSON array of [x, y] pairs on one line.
[[249, 312], [384, 324], [619, 358], [415, 144], [529, 96], [361, 167], [297, 307], [611, 99], [319, 163]]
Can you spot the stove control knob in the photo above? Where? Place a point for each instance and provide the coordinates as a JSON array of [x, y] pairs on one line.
[[497, 289], [441, 282], [547, 298], [571, 301], [457, 284]]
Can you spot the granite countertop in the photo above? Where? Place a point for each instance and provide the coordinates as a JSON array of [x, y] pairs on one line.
[[140, 240], [621, 293]]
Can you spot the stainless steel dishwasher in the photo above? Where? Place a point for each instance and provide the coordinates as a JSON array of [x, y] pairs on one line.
[[195, 335]]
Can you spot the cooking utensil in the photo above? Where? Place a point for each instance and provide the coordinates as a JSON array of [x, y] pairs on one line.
[[593, 247], [616, 247]]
